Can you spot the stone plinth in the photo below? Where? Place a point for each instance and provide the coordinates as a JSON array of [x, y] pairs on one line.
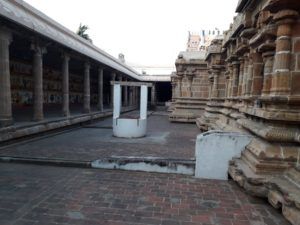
[[259, 66], [187, 110]]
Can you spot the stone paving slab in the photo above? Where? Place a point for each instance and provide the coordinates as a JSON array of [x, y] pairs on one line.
[[95, 141], [32, 195]]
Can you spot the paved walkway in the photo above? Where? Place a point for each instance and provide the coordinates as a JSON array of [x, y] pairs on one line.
[[95, 141], [31, 195]]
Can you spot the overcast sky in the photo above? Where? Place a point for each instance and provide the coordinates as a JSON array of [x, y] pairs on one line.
[[147, 32]]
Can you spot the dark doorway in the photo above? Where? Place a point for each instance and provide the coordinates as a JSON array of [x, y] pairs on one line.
[[163, 92]]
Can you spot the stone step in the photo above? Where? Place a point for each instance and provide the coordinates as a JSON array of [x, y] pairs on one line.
[[281, 189], [147, 164], [265, 166]]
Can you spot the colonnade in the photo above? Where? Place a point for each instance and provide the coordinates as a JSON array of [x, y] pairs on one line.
[[39, 50]]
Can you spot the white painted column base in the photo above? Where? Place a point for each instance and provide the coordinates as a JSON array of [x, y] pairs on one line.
[[214, 150]]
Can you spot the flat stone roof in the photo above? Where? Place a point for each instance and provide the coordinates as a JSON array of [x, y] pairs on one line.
[[27, 16], [193, 55], [157, 78]]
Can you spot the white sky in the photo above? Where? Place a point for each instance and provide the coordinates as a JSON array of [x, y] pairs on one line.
[[147, 32]]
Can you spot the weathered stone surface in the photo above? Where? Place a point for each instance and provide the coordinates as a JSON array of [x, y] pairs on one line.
[[261, 98], [77, 196], [15, 132], [190, 87]]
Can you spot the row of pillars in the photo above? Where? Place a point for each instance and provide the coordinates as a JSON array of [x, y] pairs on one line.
[[37, 70], [263, 71]]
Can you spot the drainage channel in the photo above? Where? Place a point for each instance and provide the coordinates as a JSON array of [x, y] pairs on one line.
[[144, 164]]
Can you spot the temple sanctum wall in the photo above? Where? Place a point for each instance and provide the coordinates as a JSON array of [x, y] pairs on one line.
[[190, 87], [254, 88]]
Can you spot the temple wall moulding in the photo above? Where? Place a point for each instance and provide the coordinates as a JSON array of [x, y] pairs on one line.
[[255, 90]]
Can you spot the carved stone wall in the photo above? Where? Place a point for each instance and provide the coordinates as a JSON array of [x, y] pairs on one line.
[[254, 83], [190, 87]]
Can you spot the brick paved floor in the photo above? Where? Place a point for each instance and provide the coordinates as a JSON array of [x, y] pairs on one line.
[[31, 195], [164, 139]]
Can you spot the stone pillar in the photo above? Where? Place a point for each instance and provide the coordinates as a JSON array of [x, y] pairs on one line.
[[245, 76], [215, 80], [211, 84], [235, 78], [179, 84], [37, 70], [241, 75], [100, 89], [86, 91], [153, 95], [174, 91], [125, 94], [113, 78], [5, 92], [281, 79], [65, 85], [249, 76], [257, 79], [190, 83], [268, 58], [229, 80], [227, 84]]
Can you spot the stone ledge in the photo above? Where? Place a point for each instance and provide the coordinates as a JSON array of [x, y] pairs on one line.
[[281, 190], [182, 118], [272, 133], [15, 132]]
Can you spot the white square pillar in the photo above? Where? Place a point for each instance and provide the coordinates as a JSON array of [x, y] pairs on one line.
[[117, 101], [143, 102]]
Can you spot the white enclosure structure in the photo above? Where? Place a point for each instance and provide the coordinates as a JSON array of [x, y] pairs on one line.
[[130, 127], [214, 150]]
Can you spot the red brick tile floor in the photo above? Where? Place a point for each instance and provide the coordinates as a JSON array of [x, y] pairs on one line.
[[44, 195]]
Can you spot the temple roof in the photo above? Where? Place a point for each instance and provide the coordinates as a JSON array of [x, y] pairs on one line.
[[25, 15], [199, 55], [157, 78]]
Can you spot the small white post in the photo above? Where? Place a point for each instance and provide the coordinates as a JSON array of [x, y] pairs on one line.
[[143, 102], [117, 101]]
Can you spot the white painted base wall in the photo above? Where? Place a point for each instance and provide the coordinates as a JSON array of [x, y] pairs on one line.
[[129, 128], [214, 150]]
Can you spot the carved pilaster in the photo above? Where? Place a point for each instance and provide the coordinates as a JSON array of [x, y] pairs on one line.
[[281, 78], [37, 70]]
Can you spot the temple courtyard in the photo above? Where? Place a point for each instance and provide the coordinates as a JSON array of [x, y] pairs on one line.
[[52, 193], [85, 138], [95, 141]]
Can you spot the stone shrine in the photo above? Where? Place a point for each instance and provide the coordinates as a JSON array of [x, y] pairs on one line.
[[189, 87], [254, 88]]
